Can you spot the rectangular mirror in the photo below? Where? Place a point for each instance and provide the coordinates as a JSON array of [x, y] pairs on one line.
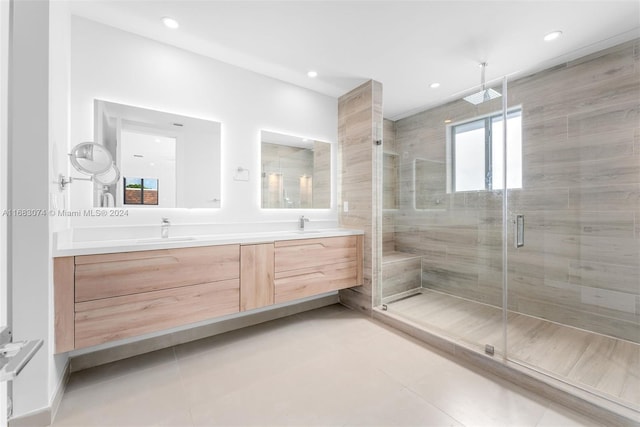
[[166, 160], [296, 172]]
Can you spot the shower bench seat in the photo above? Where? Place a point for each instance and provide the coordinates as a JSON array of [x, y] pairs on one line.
[[401, 272]]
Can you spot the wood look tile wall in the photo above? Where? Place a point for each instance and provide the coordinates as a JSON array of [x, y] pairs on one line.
[[321, 174], [360, 174], [580, 197], [391, 187]]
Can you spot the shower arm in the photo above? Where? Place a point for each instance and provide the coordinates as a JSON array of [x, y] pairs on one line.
[[483, 65]]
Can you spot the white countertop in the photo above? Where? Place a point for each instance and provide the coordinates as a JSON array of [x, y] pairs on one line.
[[71, 248]]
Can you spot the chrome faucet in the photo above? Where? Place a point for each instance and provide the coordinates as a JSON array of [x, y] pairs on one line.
[[164, 227], [301, 222]]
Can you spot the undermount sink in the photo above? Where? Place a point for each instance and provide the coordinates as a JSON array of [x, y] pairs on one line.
[[167, 239], [307, 231]]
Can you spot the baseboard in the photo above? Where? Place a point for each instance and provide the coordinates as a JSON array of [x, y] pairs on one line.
[[356, 300], [62, 387], [39, 418], [600, 409], [125, 351], [44, 417]]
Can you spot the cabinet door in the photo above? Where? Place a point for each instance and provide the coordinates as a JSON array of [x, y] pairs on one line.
[[256, 276], [128, 273], [111, 319]]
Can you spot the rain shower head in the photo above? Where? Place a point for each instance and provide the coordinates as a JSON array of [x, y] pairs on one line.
[[485, 94], [482, 96]]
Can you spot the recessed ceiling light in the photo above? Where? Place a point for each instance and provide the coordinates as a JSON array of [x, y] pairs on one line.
[[312, 74], [434, 85], [552, 36], [448, 121], [170, 23]]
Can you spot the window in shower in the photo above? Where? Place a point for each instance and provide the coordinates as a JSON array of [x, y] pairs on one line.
[[477, 151]]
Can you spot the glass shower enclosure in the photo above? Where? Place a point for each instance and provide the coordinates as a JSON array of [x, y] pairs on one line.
[[522, 241]]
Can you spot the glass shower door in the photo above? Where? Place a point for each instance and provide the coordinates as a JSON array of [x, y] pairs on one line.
[[443, 258], [574, 283]]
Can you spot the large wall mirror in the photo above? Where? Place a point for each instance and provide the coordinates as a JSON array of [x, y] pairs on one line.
[[166, 160], [296, 172]]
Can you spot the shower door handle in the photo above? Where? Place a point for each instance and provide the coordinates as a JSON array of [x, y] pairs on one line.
[[519, 240]]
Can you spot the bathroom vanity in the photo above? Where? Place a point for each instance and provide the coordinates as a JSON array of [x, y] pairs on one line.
[[108, 294]]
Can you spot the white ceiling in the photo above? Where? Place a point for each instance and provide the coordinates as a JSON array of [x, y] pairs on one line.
[[406, 45]]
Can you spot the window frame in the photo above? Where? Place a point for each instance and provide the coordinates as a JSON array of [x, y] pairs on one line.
[[487, 121]]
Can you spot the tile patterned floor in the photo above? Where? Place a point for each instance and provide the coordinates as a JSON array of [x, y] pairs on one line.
[[326, 367], [602, 364]]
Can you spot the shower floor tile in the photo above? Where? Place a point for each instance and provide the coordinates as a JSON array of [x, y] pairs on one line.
[[606, 365]]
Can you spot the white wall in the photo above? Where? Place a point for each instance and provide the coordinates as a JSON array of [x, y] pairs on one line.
[[113, 65], [59, 87], [4, 98], [28, 240], [39, 117]]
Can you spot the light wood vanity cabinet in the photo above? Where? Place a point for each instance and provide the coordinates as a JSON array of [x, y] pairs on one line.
[[121, 295], [314, 266], [108, 297]]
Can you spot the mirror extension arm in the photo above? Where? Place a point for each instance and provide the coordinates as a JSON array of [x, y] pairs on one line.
[[63, 181]]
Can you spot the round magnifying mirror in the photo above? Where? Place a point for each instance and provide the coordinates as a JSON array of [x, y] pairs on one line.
[[91, 158], [111, 176]]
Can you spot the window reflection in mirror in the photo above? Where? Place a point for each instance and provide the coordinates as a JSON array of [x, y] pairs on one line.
[[148, 159], [296, 172], [179, 156]]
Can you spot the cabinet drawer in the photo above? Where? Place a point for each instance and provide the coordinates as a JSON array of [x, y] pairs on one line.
[[300, 283], [297, 254], [112, 319], [111, 275]]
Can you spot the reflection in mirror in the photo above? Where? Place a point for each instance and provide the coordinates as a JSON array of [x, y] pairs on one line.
[[166, 160], [148, 159], [429, 183], [390, 180], [296, 172]]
